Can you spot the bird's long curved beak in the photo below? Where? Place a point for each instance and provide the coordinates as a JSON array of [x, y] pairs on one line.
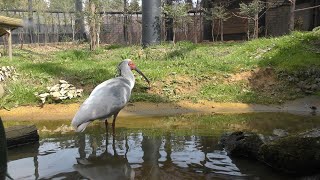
[[138, 70]]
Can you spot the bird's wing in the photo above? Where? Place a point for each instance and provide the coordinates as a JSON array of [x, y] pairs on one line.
[[106, 99]]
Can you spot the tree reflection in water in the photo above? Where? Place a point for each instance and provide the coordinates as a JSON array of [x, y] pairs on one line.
[[131, 156]]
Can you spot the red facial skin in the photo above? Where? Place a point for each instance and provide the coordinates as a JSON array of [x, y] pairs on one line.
[[132, 65]]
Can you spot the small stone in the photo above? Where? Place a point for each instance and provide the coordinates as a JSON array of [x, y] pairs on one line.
[[308, 87], [43, 95], [301, 84], [55, 95], [63, 82], [63, 97], [43, 100], [63, 91], [55, 88], [70, 94], [79, 91], [65, 86], [280, 132], [314, 87]]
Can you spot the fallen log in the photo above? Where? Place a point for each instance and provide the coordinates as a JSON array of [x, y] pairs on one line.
[[21, 135]]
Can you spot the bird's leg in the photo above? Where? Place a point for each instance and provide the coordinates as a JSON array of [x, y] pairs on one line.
[[114, 122], [106, 123]]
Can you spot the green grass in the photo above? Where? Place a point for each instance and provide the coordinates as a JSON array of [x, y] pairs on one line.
[[206, 65], [232, 93]]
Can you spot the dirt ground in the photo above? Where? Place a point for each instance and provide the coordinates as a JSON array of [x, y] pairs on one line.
[[67, 111]]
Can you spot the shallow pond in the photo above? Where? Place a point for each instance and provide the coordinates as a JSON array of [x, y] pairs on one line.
[[180, 147]]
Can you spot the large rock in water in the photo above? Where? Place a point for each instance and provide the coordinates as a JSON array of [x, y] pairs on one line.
[[21, 135], [239, 143], [297, 154]]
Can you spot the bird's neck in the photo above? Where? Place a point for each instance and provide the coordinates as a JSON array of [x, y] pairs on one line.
[[127, 73]]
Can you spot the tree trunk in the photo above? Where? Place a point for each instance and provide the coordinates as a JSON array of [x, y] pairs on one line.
[[221, 31], [125, 22], [65, 24], [30, 20], [212, 30], [174, 35], [59, 27], [92, 24], [38, 28], [256, 26], [248, 29], [291, 15], [72, 27], [52, 28], [100, 19], [195, 28]]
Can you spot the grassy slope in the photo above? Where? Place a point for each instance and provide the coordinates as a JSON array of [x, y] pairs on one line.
[[206, 65]]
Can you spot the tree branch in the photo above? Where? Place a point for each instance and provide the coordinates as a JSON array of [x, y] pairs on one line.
[[306, 8]]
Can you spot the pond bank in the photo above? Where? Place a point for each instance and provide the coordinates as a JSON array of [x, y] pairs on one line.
[[67, 111]]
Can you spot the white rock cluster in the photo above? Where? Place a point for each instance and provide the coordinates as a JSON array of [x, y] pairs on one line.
[[7, 72], [60, 91]]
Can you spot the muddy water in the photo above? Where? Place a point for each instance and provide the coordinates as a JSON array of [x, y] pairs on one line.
[[180, 147]]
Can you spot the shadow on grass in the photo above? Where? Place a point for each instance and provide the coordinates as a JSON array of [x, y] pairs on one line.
[[88, 79], [180, 52], [77, 77]]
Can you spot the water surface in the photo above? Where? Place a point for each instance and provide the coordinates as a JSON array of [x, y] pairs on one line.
[[180, 147]]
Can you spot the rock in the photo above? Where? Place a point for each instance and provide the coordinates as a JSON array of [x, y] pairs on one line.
[[61, 91], [54, 88], [65, 86], [71, 94], [293, 154], [280, 132], [63, 82], [297, 154], [301, 84], [1, 91], [311, 133], [244, 144], [55, 95], [314, 87], [7, 72], [43, 95]]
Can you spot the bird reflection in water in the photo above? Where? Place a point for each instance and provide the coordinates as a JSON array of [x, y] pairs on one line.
[[104, 166]]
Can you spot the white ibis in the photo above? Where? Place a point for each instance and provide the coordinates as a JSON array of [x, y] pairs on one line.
[[108, 98]]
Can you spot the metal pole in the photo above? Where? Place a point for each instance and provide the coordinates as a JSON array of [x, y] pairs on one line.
[[151, 22]]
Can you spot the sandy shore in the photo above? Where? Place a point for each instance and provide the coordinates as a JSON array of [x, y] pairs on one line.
[[67, 111]]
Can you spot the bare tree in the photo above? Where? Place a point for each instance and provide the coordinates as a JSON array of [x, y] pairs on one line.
[[251, 13], [218, 12], [178, 11]]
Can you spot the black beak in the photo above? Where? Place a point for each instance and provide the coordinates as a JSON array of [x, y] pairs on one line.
[[138, 70]]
